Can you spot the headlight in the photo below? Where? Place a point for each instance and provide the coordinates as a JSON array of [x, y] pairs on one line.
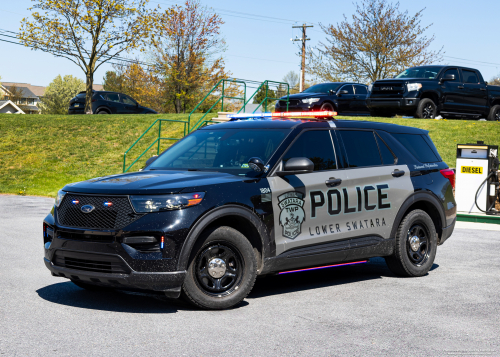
[[414, 86], [157, 203], [310, 100], [59, 198], [370, 87]]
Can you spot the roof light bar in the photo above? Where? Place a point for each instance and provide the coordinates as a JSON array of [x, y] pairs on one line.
[[322, 114]]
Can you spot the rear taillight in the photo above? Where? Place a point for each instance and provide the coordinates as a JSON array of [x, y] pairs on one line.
[[94, 100], [450, 175]]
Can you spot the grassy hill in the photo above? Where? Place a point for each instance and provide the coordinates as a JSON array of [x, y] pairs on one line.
[[39, 154]]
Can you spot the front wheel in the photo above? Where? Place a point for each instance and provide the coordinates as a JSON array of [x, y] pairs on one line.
[[222, 270], [416, 244], [426, 109]]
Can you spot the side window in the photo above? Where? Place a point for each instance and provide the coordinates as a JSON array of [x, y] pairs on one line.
[[112, 97], [348, 88], [317, 146], [388, 157], [453, 71], [361, 148], [127, 100], [470, 76], [418, 147], [360, 90]]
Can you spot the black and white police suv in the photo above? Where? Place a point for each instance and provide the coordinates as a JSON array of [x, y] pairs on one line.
[[251, 197]]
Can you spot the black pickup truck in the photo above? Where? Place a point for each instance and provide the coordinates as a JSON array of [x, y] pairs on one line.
[[428, 91]]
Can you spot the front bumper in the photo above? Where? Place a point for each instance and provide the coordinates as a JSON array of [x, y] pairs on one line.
[[396, 105], [168, 282], [302, 107]]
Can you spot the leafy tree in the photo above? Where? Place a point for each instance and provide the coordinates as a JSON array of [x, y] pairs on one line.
[[186, 45], [113, 82], [58, 94], [87, 32], [261, 95], [378, 42]]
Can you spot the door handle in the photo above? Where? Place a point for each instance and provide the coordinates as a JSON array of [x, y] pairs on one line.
[[398, 173], [332, 182], [482, 88], [460, 87]]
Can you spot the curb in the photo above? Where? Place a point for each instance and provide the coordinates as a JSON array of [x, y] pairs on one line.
[[465, 217]]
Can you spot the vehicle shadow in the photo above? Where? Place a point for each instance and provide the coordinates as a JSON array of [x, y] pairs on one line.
[[376, 268]]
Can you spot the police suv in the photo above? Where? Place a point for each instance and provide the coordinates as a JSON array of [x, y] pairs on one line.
[[251, 197]]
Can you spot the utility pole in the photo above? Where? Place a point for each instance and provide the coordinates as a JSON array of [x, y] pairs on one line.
[[303, 63]]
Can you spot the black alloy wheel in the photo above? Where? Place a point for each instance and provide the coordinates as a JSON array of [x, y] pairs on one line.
[[417, 244], [219, 269], [428, 111], [327, 107], [494, 113], [222, 269]]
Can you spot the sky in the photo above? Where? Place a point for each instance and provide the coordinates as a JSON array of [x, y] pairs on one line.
[[258, 34]]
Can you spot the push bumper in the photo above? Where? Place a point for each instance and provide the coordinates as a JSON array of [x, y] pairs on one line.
[[168, 282], [447, 231], [398, 105]]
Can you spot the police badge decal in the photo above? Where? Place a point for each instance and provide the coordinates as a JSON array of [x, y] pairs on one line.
[[292, 213]]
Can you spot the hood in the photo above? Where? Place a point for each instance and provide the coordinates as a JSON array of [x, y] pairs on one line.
[[402, 80], [151, 182], [304, 95]]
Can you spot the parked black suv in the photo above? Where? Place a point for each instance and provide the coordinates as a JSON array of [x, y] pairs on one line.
[[252, 197], [344, 98], [104, 102], [426, 91]]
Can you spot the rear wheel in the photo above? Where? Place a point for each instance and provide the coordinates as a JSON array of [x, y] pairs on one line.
[[416, 244], [426, 109], [222, 270], [494, 113]]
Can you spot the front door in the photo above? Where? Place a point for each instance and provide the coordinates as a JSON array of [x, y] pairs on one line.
[[129, 105], [346, 101], [453, 93], [360, 94]]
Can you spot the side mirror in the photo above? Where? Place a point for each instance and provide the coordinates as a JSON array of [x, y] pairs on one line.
[[296, 166], [448, 77], [342, 92], [257, 164], [151, 159]]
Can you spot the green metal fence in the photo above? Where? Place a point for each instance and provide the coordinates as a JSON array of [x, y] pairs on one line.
[[201, 121], [157, 141], [266, 98]]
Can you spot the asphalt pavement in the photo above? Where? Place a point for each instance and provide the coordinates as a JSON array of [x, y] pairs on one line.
[[361, 310]]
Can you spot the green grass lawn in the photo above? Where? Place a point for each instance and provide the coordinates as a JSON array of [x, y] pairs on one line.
[[39, 154]]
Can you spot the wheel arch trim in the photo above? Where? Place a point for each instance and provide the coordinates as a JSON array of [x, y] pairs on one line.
[[420, 196], [215, 214]]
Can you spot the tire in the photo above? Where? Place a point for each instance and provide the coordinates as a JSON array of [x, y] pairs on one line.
[[406, 261], [102, 111], [494, 113], [327, 107], [233, 276], [426, 109], [90, 287]]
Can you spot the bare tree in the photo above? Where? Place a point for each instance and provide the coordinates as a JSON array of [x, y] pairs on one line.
[[378, 41]]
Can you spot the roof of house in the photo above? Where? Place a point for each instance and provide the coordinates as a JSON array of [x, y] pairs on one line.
[[39, 91], [4, 103], [25, 91]]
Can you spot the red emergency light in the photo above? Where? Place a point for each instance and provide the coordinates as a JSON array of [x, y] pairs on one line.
[[322, 114]]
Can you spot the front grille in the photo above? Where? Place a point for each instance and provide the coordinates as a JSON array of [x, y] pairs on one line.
[[119, 215], [292, 103], [388, 88], [89, 262]]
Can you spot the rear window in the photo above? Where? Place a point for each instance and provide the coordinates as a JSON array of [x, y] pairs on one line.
[[80, 95], [420, 146], [361, 155]]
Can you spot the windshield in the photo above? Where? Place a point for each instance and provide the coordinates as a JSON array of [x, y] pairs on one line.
[[221, 150], [322, 88], [420, 72]]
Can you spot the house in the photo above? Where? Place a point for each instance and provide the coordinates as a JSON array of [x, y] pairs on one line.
[[7, 107], [30, 95]]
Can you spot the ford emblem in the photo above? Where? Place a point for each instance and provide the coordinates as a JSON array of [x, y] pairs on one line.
[[87, 208]]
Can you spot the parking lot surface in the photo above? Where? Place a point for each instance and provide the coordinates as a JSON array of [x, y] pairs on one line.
[[359, 310]]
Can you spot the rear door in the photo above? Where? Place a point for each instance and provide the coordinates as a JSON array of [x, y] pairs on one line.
[[113, 102], [476, 97], [360, 94], [375, 186], [453, 92], [346, 101]]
